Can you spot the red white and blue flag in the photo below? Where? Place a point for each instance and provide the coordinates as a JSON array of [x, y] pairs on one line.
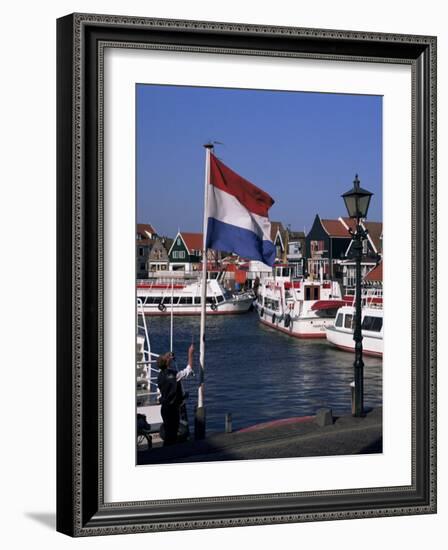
[[237, 213]]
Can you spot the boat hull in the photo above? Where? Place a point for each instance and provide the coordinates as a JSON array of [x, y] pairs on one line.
[[221, 309], [310, 327], [343, 340]]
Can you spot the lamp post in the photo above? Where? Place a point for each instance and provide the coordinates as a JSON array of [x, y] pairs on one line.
[[357, 202]]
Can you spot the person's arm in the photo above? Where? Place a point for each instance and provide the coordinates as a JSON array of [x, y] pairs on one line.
[[184, 373]]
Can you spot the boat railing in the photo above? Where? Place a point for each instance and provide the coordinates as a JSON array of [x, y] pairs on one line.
[[371, 297], [146, 373]]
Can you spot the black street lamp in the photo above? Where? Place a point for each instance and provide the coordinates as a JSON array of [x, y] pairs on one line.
[[357, 202]]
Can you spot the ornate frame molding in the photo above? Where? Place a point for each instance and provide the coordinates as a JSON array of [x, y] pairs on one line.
[[81, 42]]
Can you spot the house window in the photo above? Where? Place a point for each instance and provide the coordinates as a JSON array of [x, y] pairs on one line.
[[178, 241], [317, 247], [140, 250], [182, 254], [175, 254]]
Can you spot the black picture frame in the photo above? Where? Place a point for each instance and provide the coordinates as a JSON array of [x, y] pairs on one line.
[[81, 510]]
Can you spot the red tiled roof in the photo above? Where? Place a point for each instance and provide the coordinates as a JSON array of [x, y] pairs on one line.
[[193, 241], [375, 230], [376, 274], [335, 228], [144, 228]]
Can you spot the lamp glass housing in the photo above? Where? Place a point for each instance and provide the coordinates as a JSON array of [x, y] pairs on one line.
[[357, 201]]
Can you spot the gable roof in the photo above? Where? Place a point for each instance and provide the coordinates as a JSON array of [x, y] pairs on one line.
[[335, 228], [339, 228], [193, 241], [276, 226], [375, 230], [376, 274], [145, 229]]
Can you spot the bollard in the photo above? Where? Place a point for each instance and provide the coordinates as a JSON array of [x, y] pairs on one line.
[[199, 423], [324, 417], [228, 423], [352, 389]]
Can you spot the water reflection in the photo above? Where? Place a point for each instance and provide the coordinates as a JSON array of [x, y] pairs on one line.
[[259, 374]]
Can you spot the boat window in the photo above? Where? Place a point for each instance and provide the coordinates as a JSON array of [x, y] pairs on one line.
[[210, 300], [307, 293], [197, 300], [374, 324], [271, 304], [339, 320], [189, 300], [219, 299], [316, 293], [348, 320]]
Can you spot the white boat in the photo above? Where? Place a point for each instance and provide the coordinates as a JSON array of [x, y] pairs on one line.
[[149, 417], [146, 381], [299, 308], [183, 297], [341, 333]]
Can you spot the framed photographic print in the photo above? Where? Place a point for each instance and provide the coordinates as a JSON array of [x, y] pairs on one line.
[[246, 274]]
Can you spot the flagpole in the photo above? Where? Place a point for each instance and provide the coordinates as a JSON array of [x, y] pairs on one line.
[[172, 316], [200, 409]]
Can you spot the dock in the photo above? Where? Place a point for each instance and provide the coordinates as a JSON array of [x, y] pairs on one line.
[[289, 438]]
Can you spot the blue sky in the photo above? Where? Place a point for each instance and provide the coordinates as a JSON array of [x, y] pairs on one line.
[[303, 148]]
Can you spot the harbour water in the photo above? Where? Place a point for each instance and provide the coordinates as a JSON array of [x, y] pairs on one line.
[[258, 374]]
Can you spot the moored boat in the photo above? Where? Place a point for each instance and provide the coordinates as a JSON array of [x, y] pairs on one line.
[[298, 308], [340, 334], [183, 297]]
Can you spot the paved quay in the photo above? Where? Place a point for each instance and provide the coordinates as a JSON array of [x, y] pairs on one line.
[[294, 438]]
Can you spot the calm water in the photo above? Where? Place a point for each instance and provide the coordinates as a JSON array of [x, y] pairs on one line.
[[259, 374]]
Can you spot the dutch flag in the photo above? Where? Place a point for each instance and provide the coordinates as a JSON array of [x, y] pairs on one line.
[[237, 213]]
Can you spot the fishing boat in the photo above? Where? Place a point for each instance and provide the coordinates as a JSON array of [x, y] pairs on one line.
[[183, 297], [340, 334], [300, 308]]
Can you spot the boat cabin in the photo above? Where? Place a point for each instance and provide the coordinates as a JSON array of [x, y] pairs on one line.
[[371, 320], [283, 271]]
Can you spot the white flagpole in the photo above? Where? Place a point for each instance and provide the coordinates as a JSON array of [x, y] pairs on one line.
[[200, 410], [172, 316]]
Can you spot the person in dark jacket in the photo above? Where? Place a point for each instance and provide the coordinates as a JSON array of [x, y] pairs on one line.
[[171, 392]]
